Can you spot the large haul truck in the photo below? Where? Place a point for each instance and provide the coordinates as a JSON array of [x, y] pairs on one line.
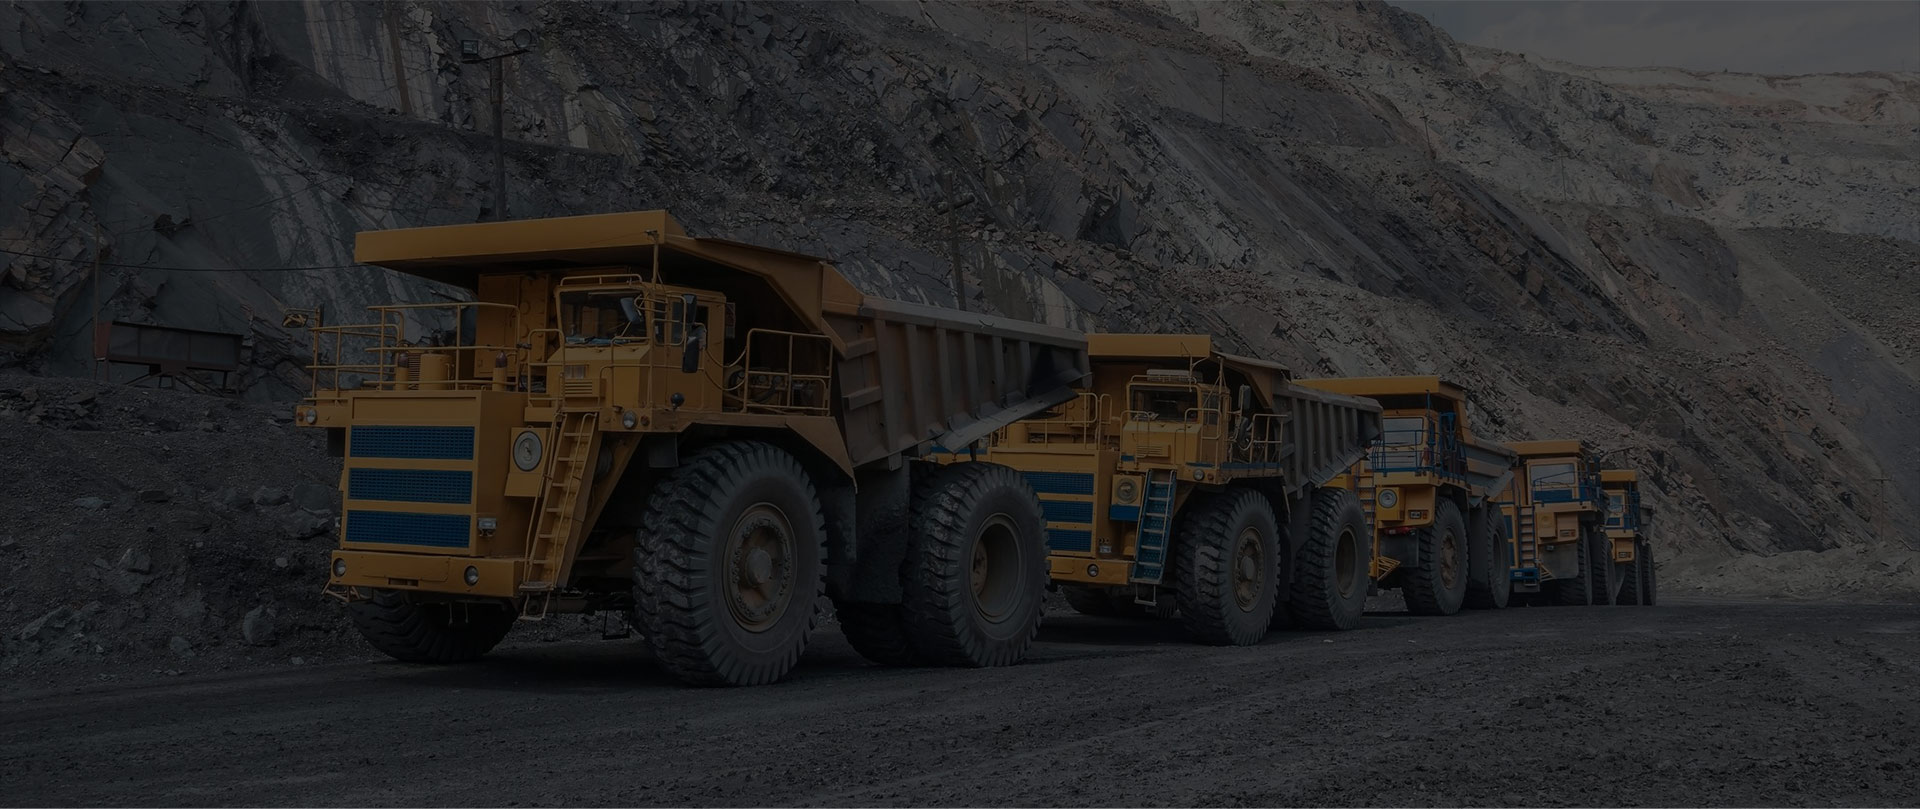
[[703, 434], [1186, 481], [1428, 486], [1555, 509], [1628, 526]]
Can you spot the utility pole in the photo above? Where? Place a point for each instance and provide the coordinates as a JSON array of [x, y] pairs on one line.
[[470, 53], [953, 243], [99, 349], [1223, 94]]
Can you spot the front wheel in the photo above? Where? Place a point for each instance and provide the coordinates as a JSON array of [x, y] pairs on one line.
[[1227, 570], [727, 565], [976, 573], [430, 632]]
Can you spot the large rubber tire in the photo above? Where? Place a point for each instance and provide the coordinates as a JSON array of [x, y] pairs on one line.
[[1090, 600], [977, 570], [1490, 583], [1635, 582], [1647, 567], [1330, 570], [1576, 591], [728, 565], [1226, 571], [430, 632], [1600, 564], [877, 631], [1437, 584]]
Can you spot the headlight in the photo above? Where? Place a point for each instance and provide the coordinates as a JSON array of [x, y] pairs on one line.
[[629, 419], [1093, 571], [311, 416], [473, 575], [526, 451], [339, 568], [1126, 490], [1388, 498]]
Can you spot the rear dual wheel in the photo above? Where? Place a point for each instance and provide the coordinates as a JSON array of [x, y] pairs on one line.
[[1437, 584], [428, 631], [1332, 567], [973, 578], [1490, 581]]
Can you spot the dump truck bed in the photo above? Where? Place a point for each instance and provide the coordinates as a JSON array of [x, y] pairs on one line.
[[1325, 433]]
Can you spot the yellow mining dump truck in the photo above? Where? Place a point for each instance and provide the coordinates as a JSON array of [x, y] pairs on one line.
[[1185, 477], [1555, 509], [1627, 526], [1428, 487], [702, 434]]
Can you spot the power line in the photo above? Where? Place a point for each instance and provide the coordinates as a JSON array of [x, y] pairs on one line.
[[179, 269]]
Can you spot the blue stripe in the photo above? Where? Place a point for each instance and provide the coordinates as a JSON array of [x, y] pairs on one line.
[[411, 485], [403, 528], [418, 443], [1060, 539], [1124, 513], [1060, 482], [1062, 511]]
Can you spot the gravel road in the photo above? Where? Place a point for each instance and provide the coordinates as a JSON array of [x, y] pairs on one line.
[[1705, 703]]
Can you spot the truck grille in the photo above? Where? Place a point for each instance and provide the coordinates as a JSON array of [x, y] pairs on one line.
[[405, 528]]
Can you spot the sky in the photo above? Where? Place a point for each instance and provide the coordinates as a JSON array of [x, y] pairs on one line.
[[1748, 36]]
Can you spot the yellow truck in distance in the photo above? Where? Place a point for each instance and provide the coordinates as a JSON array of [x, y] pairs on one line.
[[1555, 509], [1428, 487], [1628, 525], [1183, 476], [701, 434]]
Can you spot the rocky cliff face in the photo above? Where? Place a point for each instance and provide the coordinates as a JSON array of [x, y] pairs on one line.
[[1712, 274]]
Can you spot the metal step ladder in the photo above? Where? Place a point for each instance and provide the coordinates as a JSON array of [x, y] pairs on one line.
[[1156, 528], [1526, 571], [559, 511]]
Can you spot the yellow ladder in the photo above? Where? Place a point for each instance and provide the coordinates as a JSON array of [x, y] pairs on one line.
[[560, 510]]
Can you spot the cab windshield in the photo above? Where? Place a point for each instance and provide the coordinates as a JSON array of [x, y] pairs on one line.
[[1403, 431], [1553, 476], [1163, 402]]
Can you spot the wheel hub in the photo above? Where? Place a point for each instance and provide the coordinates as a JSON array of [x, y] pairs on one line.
[[1247, 580], [759, 575], [995, 569]]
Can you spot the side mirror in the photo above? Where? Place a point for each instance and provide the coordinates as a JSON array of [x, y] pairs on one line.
[[1245, 402], [691, 347]]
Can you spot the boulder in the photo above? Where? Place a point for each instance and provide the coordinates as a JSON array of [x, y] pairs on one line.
[[257, 627], [90, 503], [316, 498], [180, 646], [269, 496]]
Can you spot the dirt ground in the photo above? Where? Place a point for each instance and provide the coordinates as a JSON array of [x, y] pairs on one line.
[[1701, 703]]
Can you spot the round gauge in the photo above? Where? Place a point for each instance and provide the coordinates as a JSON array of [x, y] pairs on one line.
[[526, 451]]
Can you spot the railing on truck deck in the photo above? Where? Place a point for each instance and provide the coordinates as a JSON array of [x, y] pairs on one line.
[[445, 359]]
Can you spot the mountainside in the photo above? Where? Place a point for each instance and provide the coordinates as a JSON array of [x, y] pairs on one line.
[[1715, 275]]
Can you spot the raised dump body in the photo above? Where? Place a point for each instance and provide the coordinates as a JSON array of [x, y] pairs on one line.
[[1184, 475], [1555, 509], [1427, 486], [698, 432], [1629, 526]]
